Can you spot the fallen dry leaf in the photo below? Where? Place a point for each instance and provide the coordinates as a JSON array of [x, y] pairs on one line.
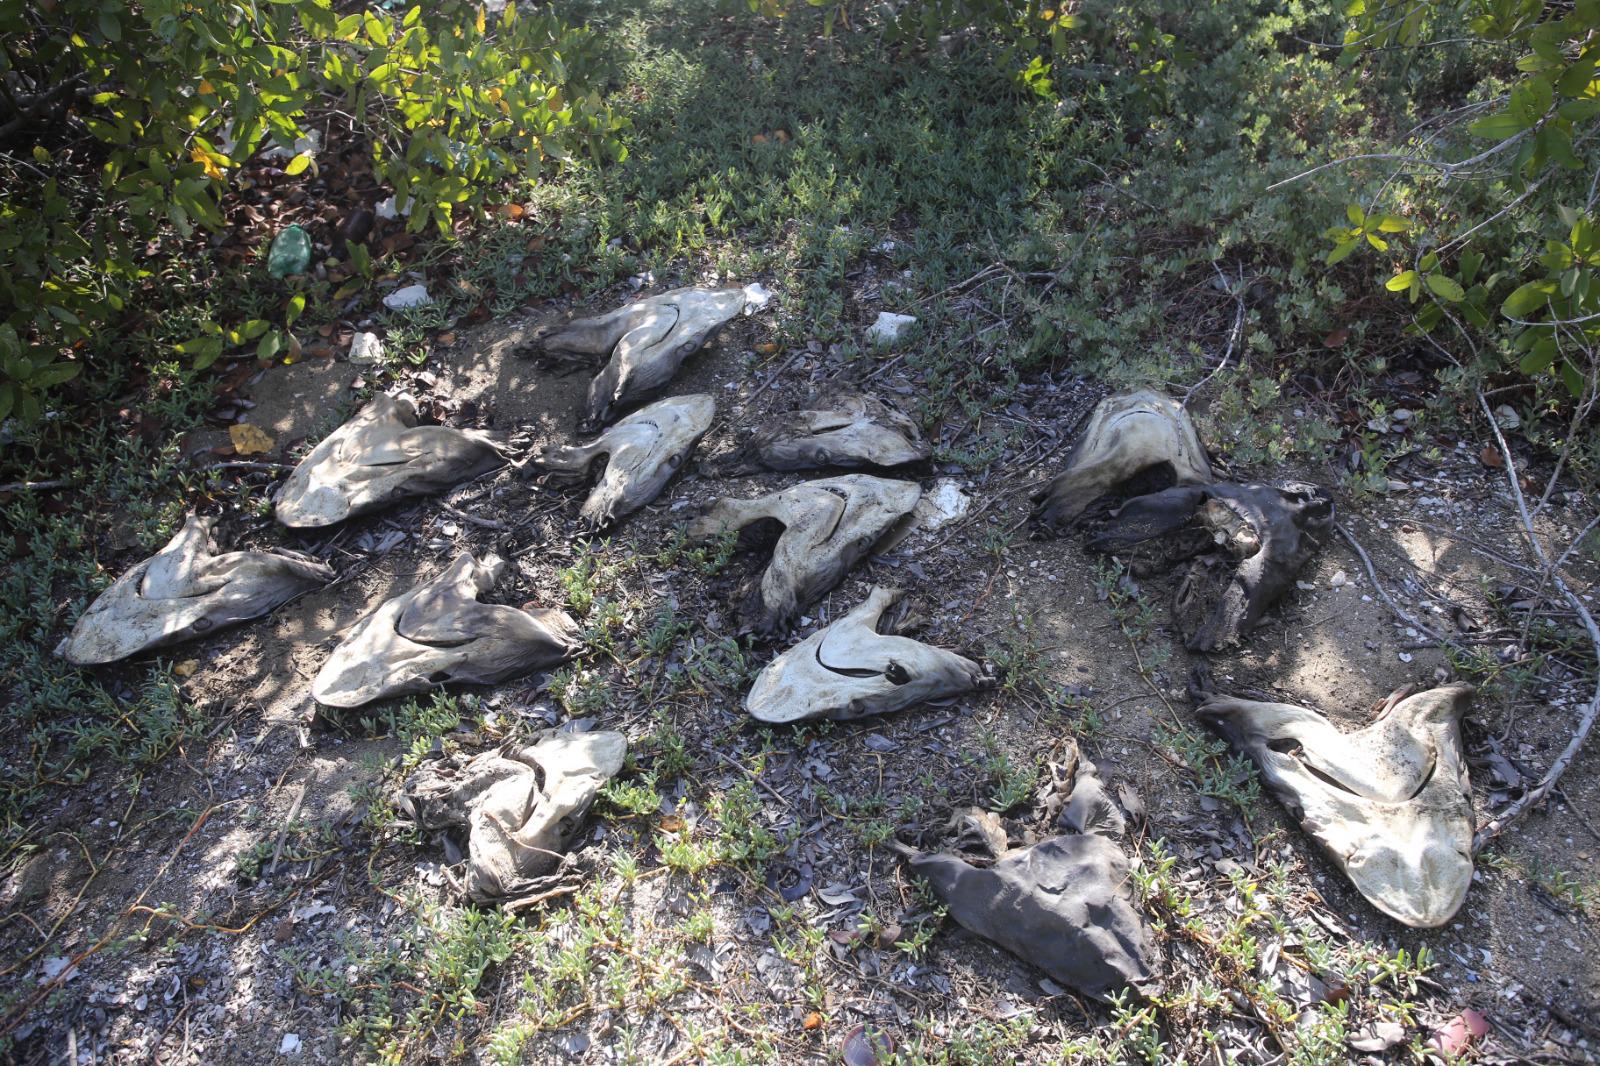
[[760, 138], [186, 668], [249, 440], [1491, 457], [1337, 338], [766, 349], [813, 1021]]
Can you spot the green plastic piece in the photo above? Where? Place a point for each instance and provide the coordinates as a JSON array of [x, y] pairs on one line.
[[290, 254]]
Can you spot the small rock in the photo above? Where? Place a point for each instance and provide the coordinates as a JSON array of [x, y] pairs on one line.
[[889, 327], [1507, 417], [410, 296], [756, 296], [366, 348], [1339, 579], [290, 1044], [356, 226]]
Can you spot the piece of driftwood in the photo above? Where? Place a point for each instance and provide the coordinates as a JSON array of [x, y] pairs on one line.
[[187, 590], [1247, 543], [439, 632], [378, 457], [1390, 803], [512, 812], [642, 453], [1065, 904], [849, 669], [1135, 435], [645, 343], [827, 526], [843, 429]]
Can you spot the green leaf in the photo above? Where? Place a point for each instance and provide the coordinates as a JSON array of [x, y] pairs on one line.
[[1354, 213], [1572, 378], [1469, 263], [54, 374], [1401, 281], [208, 353], [1377, 242], [1393, 224], [298, 164], [1446, 288], [1497, 127], [1576, 79], [1342, 251], [270, 343], [1526, 299], [297, 305], [1579, 110], [8, 399]]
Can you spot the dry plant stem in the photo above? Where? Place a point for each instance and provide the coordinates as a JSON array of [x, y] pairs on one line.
[[1516, 810], [1233, 335], [1372, 575]]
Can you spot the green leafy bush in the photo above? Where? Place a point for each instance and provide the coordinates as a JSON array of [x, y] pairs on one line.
[[123, 126], [1513, 266]]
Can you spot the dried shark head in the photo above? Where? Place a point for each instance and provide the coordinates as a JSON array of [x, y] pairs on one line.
[[647, 341], [841, 429], [518, 807], [1248, 543], [643, 451], [849, 669], [1390, 803], [828, 526], [380, 456], [1065, 904], [1130, 435], [184, 591], [439, 632]]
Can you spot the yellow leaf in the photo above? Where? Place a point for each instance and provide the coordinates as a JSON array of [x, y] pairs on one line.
[[206, 88], [298, 164], [186, 668], [250, 440], [207, 161], [480, 24]]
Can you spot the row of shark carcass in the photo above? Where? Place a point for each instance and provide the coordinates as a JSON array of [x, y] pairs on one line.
[[1388, 803]]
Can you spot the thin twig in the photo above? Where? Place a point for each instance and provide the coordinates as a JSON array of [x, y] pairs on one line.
[[1517, 809], [1372, 574], [33, 486], [456, 512], [1233, 335]]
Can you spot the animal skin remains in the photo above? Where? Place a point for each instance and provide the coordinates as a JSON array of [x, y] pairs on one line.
[[187, 590], [1127, 436], [378, 457], [1390, 803], [439, 632], [849, 669], [642, 452], [829, 525]]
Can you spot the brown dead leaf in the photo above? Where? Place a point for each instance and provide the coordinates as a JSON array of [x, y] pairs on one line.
[[767, 349], [813, 1021], [250, 440], [186, 668], [1490, 457], [781, 136], [671, 823], [1337, 338], [760, 138]]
